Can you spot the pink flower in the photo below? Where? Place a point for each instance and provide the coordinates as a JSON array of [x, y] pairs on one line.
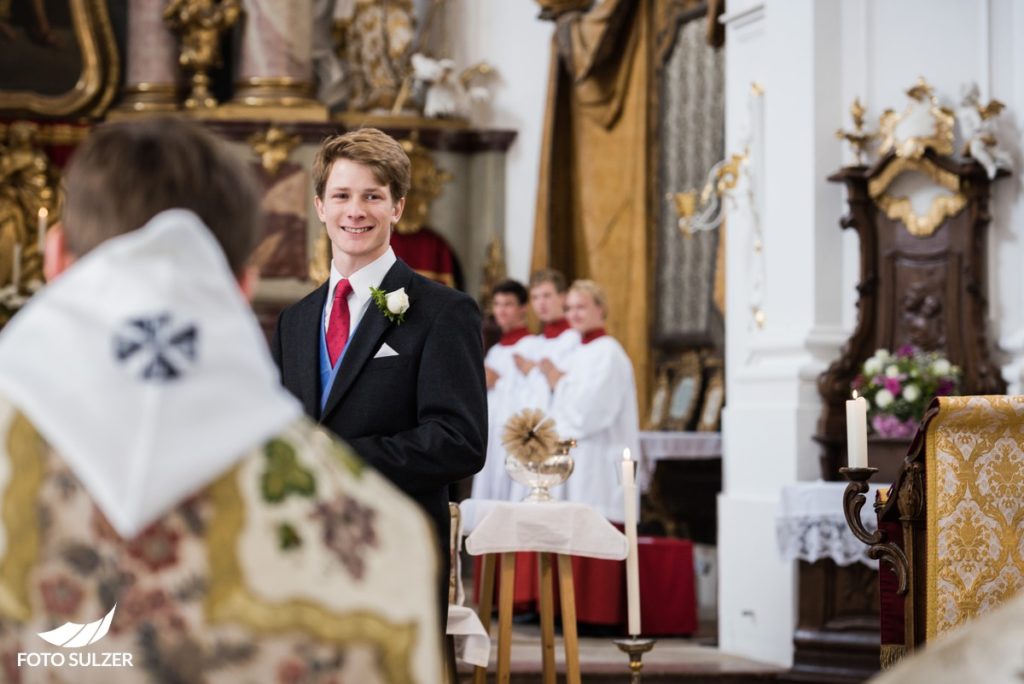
[[887, 425], [906, 351], [894, 385]]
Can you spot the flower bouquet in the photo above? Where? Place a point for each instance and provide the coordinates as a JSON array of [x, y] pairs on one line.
[[898, 388]]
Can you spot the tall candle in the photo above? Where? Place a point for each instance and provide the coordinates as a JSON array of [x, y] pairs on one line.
[[16, 268], [632, 564], [857, 432], [43, 214]]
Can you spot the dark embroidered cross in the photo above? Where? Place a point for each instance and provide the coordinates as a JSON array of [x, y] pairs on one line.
[[163, 349]]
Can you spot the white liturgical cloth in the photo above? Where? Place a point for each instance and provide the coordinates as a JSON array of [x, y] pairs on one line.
[[570, 529]]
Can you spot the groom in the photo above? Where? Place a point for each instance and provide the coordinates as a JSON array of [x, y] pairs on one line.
[[388, 360]]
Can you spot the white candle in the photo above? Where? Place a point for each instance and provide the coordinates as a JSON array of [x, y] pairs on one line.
[[632, 564], [43, 214], [857, 432], [16, 268]]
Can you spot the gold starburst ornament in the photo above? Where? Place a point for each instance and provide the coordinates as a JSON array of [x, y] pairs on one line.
[[537, 458]]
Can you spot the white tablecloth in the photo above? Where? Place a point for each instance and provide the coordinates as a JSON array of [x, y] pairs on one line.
[[472, 644], [810, 524], [571, 529], [674, 446]]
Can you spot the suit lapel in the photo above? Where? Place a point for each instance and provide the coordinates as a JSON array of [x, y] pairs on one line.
[[310, 319], [371, 328]]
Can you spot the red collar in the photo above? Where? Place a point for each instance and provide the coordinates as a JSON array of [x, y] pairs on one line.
[[592, 335], [512, 336], [555, 328]]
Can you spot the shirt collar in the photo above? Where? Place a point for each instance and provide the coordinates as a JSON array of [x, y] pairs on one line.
[[595, 334], [513, 336], [555, 328], [371, 275]]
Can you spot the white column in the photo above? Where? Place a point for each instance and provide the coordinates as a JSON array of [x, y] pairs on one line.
[[791, 48]]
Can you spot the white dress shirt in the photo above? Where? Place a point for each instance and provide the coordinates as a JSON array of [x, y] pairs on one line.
[[362, 280]]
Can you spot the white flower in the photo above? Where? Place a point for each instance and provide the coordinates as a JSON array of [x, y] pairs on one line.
[[911, 392], [883, 398], [941, 367], [398, 301], [882, 354], [873, 366], [891, 371]]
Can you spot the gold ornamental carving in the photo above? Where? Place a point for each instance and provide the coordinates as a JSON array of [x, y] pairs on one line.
[[494, 269], [428, 180], [28, 200], [858, 138], [922, 125], [199, 23], [900, 208], [273, 146]]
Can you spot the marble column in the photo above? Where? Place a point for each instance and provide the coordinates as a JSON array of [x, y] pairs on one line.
[[152, 79], [275, 66]]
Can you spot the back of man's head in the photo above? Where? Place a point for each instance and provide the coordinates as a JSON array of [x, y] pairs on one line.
[[126, 173]]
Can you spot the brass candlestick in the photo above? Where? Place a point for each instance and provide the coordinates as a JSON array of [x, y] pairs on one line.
[[879, 546], [635, 647]]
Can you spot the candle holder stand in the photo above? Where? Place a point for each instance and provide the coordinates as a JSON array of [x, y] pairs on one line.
[[879, 546], [635, 647]]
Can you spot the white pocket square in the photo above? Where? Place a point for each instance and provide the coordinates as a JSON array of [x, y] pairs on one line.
[[384, 352]]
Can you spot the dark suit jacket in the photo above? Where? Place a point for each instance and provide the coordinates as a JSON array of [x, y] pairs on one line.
[[420, 417]]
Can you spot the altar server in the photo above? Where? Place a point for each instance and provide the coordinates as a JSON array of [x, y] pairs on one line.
[[594, 402], [159, 490], [504, 385], [555, 341]]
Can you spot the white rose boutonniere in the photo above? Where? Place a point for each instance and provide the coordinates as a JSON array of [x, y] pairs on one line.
[[392, 304]]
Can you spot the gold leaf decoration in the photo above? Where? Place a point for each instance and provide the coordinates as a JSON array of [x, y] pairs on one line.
[[530, 436]]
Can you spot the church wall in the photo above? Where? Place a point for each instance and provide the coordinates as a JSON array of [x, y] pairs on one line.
[[810, 267], [510, 37]]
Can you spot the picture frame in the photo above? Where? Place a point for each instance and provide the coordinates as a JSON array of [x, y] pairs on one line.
[[659, 401], [714, 398], [60, 59], [684, 392]]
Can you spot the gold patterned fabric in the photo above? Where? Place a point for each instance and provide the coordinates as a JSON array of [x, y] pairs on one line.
[[297, 565], [975, 508]]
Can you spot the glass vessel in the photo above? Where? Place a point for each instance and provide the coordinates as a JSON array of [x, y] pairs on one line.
[[540, 476]]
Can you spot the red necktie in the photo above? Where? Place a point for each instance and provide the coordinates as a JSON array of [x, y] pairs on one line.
[[337, 328]]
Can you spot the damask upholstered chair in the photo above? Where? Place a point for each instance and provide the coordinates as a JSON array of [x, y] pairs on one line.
[[957, 512]]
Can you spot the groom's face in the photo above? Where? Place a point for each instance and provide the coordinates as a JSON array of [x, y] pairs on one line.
[[358, 212]]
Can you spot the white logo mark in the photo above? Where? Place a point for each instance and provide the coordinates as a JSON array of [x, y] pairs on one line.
[[74, 635]]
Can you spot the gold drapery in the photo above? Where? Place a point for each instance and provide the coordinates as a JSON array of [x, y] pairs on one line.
[[593, 215]]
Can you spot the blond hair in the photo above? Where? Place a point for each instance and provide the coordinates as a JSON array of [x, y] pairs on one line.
[[370, 147], [594, 290]]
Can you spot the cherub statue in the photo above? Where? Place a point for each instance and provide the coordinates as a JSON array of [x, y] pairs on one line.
[[449, 95], [978, 127]]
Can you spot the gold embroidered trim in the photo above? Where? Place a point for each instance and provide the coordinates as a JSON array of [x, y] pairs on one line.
[[20, 517], [229, 598]]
